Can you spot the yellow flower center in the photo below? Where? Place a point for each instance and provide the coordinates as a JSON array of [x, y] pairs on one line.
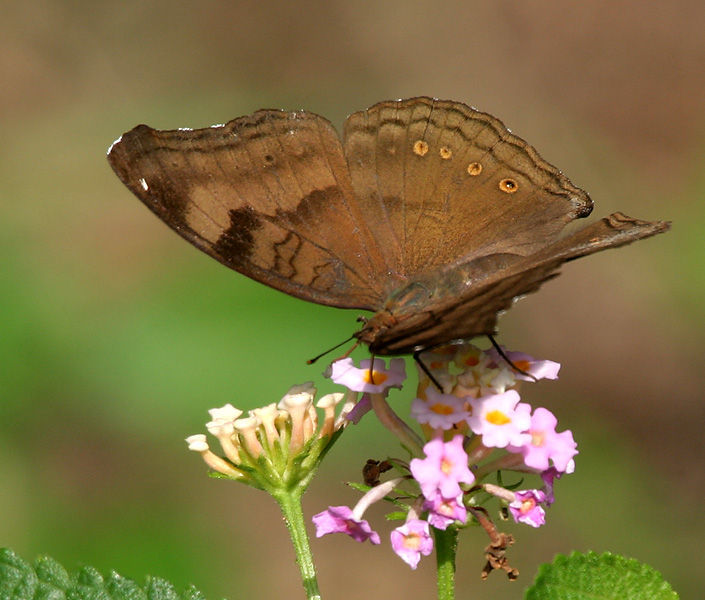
[[522, 364], [471, 361], [441, 409], [497, 417], [375, 377], [412, 541], [527, 505], [445, 509], [537, 438], [446, 466]]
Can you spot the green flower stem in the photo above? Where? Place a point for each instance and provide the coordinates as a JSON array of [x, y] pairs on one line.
[[290, 503], [509, 461], [446, 548]]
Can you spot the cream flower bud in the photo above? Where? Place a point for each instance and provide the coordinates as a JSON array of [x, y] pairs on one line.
[[306, 388], [349, 403], [198, 443], [328, 404], [267, 416], [224, 431], [225, 413], [247, 428], [297, 403], [310, 422]]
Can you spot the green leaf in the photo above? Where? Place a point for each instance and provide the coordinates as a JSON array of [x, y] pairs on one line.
[[48, 580], [599, 577]]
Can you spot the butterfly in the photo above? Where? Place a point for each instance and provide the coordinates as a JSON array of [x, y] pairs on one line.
[[427, 212]]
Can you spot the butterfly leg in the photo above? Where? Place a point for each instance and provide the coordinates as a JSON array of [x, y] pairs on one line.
[[499, 350], [424, 368]]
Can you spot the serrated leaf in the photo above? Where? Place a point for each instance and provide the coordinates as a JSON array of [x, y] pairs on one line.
[[17, 579], [49, 580], [121, 587], [599, 577]]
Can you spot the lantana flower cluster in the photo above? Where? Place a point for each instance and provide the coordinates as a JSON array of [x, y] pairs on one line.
[[475, 434], [474, 427], [279, 445]]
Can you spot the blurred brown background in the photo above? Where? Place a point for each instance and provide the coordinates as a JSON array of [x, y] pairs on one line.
[[116, 336]]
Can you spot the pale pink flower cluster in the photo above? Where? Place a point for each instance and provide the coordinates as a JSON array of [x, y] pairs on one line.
[[475, 427]]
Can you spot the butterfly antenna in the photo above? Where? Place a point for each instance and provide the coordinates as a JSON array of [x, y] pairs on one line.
[[499, 350], [424, 368], [310, 361]]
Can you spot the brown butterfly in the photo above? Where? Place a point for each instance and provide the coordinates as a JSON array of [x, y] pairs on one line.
[[428, 212]]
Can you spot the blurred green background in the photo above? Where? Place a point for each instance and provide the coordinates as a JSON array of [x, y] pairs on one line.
[[116, 335]]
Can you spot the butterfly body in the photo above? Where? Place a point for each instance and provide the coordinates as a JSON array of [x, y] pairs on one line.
[[427, 212]]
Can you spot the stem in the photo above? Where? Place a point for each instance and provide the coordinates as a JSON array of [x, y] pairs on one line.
[[446, 547], [290, 504], [508, 461], [391, 421]]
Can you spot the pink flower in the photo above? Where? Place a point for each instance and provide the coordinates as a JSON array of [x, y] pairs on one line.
[[548, 477], [526, 507], [340, 519], [445, 511], [375, 380], [361, 408], [545, 444], [444, 468], [500, 419], [439, 411], [411, 540], [540, 369]]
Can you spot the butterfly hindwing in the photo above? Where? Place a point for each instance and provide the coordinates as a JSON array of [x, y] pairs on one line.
[[443, 182], [464, 301]]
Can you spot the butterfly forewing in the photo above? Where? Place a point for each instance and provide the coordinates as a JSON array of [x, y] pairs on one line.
[[268, 195]]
